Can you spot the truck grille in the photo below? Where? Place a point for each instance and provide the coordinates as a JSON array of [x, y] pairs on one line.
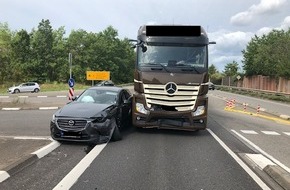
[[184, 98], [72, 124]]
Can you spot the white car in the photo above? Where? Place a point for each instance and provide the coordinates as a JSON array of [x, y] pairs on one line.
[[211, 86], [25, 87]]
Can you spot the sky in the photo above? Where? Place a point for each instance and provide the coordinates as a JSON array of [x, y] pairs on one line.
[[231, 24]]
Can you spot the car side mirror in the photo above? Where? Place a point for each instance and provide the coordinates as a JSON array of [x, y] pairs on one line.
[[75, 98], [128, 101]]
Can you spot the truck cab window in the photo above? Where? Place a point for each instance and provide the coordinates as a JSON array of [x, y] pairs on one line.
[[173, 56]]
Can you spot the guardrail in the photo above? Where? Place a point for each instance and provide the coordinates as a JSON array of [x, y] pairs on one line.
[[278, 95]]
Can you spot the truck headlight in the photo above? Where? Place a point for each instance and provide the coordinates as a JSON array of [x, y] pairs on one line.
[[140, 108], [199, 111]]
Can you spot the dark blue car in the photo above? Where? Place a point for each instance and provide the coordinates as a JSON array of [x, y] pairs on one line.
[[96, 116]]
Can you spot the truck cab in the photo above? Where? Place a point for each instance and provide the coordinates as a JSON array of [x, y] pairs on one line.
[[170, 78]]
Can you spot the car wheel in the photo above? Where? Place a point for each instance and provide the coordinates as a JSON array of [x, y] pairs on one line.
[[36, 90], [116, 136], [16, 91]]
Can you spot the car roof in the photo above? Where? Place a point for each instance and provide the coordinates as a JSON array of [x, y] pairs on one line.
[[110, 88]]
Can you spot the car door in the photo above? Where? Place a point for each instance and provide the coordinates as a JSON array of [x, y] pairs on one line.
[[30, 87], [124, 108], [24, 87]]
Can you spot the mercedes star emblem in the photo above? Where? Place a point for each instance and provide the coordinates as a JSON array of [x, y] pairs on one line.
[[171, 88]]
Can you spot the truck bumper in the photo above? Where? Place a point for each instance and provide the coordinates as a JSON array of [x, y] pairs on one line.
[[170, 120]]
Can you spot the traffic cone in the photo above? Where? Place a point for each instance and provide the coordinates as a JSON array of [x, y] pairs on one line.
[[258, 109]]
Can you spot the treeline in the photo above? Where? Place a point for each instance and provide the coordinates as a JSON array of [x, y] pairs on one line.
[[42, 54], [268, 55]]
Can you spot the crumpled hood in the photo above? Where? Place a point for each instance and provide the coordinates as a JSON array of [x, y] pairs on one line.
[[80, 109]]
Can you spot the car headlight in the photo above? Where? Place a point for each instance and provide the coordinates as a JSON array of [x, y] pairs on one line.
[[53, 118], [100, 119], [140, 108], [199, 111]]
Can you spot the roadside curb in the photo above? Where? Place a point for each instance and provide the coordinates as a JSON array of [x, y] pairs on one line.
[[30, 108], [281, 176], [275, 172], [27, 160]]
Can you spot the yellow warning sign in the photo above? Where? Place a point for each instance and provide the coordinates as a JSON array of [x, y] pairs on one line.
[[98, 75]]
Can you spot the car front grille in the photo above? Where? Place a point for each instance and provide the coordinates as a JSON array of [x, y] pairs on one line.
[[72, 124]]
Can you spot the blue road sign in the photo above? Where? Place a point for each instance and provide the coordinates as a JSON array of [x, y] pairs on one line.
[[71, 82]]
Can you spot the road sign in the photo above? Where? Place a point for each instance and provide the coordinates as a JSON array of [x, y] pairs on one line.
[[71, 82], [98, 75]]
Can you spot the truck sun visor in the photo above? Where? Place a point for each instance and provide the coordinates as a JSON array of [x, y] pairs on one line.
[[173, 30]]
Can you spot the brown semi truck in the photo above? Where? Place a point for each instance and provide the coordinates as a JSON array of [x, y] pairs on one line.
[[171, 77]]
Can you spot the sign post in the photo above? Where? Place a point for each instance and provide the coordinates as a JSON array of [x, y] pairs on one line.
[[71, 81], [70, 64]]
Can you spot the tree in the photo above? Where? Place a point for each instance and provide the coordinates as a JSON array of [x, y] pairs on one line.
[[268, 55], [21, 55], [212, 70], [5, 51], [59, 61], [231, 69], [42, 43], [42, 54]]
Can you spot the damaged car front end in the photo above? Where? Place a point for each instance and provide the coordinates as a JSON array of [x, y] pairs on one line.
[[95, 121]]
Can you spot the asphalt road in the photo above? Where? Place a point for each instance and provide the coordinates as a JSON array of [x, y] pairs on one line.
[[155, 159]]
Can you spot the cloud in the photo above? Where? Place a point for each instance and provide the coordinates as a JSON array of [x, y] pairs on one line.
[[264, 31], [229, 43], [286, 23], [264, 7], [228, 48]]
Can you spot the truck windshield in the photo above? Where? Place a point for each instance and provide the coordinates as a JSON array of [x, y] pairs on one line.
[[173, 56]]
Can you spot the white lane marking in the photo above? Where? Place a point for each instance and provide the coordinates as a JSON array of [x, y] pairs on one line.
[[68, 181], [260, 160], [61, 96], [46, 149], [251, 132], [287, 133], [48, 108], [23, 96], [4, 96], [10, 109], [29, 137], [270, 132], [240, 162], [262, 151], [3, 176], [41, 96]]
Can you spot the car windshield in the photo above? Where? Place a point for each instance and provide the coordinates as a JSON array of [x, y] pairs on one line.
[[172, 56], [98, 96]]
